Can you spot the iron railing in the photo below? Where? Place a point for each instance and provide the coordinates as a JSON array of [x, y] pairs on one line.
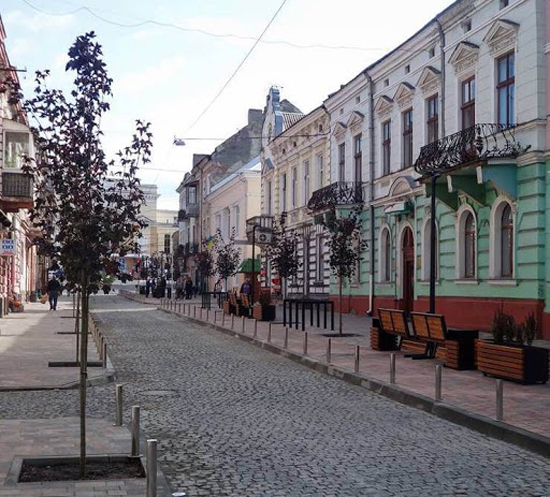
[[480, 142], [191, 211], [17, 185], [339, 193]]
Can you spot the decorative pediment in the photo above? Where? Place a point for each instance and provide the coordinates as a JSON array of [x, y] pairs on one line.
[[383, 106], [355, 120], [464, 56], [404, 95], [339, 129], [502, 35], [401, 186], [430, 80]]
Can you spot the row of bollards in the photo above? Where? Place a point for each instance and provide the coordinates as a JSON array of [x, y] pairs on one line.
[[99, 340]]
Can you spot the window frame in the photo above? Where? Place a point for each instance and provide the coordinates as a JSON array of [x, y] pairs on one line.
[[385, 255], [432, 121], [507, 84], [306, 185], [342, 162], [386, 147], [358, 158], [408, 130], [468, 107], [283, 192]]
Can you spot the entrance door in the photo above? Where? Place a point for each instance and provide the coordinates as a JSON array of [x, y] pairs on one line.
[[408, 270]]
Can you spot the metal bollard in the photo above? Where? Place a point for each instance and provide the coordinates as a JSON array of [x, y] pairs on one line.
[[151, 468], [118, 404], [255, 328], [243, 324], [101, 349], [200, 314], [392, 369], [269, 330], [438, 372], [135, 431], [223, 319], [285, 345], [305, 342], [104, 353], [207, 315], [357, 358], [329, 351], [232, 321], [215, 317], [500, 400], [194, 311]]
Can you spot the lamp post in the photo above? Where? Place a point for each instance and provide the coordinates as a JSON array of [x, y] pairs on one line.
[[432, 245], [253, 263]]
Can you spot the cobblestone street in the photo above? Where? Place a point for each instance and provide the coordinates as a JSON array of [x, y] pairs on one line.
[[234, 420]]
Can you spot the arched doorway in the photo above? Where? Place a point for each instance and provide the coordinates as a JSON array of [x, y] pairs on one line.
[[408, 269]]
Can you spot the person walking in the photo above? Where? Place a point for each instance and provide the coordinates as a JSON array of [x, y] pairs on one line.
[[246, 288], [53, 288], [188, 288]]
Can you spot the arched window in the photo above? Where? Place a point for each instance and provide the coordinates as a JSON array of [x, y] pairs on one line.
[[427, 249], [385, 256], [469, 246], [506, 242]]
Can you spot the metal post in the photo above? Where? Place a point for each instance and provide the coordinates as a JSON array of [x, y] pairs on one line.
[[438, 370], [500, 400], [104, 360], [329, 351], [392, 369], [215, 317], [135, 431], [285, 345], [432, 246], [243, 323], [118, 402], [255, 328], [207, 315], [102, 349], [269, 334], [151, 468], [253, 263], [305, 343], [357, 357], [303, 316], [232, 321], [223, 319], [194, 311]]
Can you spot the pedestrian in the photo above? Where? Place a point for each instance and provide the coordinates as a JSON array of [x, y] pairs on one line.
[[148, 285], [188, 288], [179, 288], [54, 287], [246, 288]]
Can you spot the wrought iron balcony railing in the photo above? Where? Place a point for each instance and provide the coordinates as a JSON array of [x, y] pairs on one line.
[[191, 211], [17, 191], [480, 142], [339, 193]]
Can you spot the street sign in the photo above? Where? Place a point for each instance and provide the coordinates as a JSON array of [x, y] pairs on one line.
[[7, 247]]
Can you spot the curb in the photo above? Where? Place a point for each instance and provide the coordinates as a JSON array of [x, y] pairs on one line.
[[477, 422]]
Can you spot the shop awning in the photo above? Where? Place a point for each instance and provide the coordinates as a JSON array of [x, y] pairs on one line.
[[246, 266]]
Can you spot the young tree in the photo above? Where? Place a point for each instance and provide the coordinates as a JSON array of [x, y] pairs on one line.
[[89, 216], [282, 251], [227, 256], [205, 264], [345, 247]]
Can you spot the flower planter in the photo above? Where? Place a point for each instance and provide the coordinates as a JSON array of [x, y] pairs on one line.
[[513, 362], [264, 313], [379, 340]]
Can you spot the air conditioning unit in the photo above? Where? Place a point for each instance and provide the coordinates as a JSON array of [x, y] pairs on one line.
[[263, 238]]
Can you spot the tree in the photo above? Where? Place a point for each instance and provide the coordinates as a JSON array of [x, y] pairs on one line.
[[345, 247], [88, 216], [282, 251], [205, 263], [227, 256]]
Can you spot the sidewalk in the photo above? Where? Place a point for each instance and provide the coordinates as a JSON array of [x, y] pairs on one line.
[[468, 397], [28, 341]]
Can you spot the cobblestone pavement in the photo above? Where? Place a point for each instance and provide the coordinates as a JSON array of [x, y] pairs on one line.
[[234, 420]]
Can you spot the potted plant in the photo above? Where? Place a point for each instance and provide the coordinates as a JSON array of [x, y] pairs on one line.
[[510, 355], [263, 309]]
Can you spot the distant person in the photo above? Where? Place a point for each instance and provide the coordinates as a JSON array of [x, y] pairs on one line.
[[180, 288], [188, 288], [148, 286], [246, 288], [54, 287]]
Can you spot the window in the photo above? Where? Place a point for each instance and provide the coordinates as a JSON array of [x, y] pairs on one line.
[[467, 25], [431, 52], [342, 162], [236, 218], [306, 182], [320, 172], [468, 103], [293, 191], [504, 4], [386, 82], [506, 89], [427, 250], [16, 147], [358, 99], [218, 222], [407, 69], [386, 147], [385, 256], [469, 246], [407, 138], [357, 158], [433, 119], [320, 269], [268, 195], [166, 244], [192, 195], [283, 192], [506, 242]]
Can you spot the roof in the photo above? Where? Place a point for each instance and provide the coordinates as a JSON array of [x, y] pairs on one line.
[[290, 118], [253, 165]]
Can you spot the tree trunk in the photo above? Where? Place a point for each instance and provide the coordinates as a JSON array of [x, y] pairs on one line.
[[340, 305], [83, 375]]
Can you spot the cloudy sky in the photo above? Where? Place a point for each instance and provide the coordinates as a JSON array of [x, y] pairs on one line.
[[176, 56]]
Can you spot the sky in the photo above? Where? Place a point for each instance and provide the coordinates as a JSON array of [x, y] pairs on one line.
[[171, 64]]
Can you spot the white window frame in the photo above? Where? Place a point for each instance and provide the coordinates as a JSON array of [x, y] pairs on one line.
[[385, 233], [320, 171], [495, 238], [306, 182], [426, 249], [293, 188], [283, 193], [460, 236]]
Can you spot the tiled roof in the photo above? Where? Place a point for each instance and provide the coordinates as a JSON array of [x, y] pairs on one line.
[[290, 118]]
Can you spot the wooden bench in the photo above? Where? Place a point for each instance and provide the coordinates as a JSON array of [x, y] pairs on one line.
[[459, 344], [394, 322], [236, 303]]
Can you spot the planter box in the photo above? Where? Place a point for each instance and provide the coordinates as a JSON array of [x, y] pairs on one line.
[[513, 362], [459, 355], [379, 340], [264, 313]]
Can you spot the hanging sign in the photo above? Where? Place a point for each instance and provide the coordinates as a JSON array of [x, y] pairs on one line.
[[7, 247]]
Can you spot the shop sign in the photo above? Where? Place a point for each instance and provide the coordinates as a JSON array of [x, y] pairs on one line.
[[7, 247]]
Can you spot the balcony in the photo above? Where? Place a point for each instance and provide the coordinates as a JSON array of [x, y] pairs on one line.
[[340, 193], [469, 146], [17, 191]]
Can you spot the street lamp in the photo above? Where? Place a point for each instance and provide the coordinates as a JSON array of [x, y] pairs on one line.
[[432, 245]]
